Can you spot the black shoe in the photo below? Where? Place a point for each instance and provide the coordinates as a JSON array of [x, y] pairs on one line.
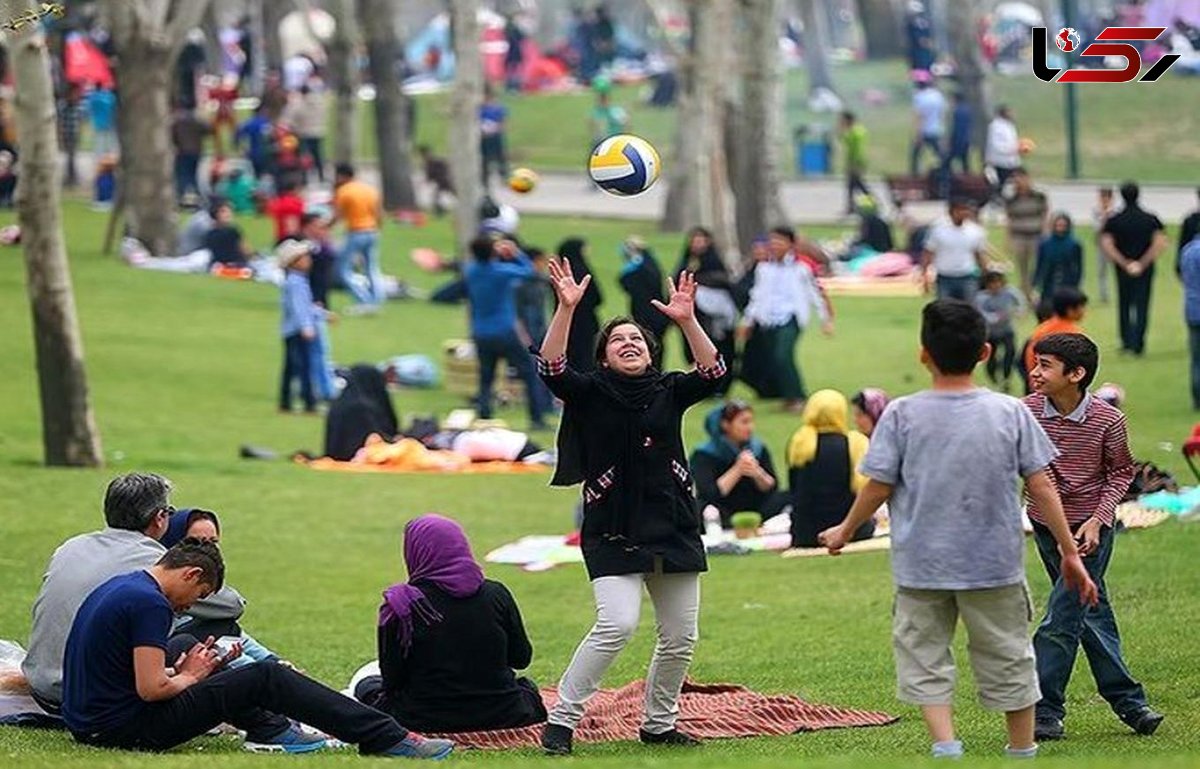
[[673, 737], [1048, 729], [1145, 721], [556, 740]]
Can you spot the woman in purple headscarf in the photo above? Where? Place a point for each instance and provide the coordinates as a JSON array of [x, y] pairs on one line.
[[449, 641], [868, 405]]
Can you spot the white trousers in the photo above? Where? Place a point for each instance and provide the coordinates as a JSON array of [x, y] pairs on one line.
[[676, 599]]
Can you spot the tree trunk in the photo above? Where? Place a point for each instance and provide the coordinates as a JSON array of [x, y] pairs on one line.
[[971, 70], [147, 37], [258, 49], [69, 434], [754, 140], [699, 194], [465, 101], [392, 133], [343, 72], [273, 12], [816, 50], [882, 27]]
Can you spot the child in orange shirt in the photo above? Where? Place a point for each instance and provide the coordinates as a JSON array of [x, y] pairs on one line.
[[1070, 305]]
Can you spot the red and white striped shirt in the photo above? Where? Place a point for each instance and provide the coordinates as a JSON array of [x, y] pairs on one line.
[[1094, 468]]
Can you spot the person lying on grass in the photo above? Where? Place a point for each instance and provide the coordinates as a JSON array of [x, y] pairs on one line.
[[118, 691], [620, 436]]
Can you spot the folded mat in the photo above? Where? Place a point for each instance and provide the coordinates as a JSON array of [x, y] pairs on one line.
[[706, 711], [411, 456]]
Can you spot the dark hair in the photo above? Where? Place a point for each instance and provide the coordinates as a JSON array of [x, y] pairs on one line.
[[960, 203], [624, 320], [197, 553], [1130, 192], [1066, 299], [308, 217], [992, 276], [288, 185], [953, 332], [733, 409], [343, 169], [216, 204], [1105, 190], [784, 231], [693, 232], [483, 248], [132, 500], [848, 116], [1075, 351], [200, 514], [1044, 310]]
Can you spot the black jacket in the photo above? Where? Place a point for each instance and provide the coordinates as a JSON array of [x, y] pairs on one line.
[[637, 489]]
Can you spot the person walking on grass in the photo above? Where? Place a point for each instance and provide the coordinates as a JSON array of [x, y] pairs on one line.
[[940, 515], [955, 248], [1092, 472], [621, 438], [1189, 270], [493, 123], [853, 135], [1027, 210], [1133, 240], [358, 205], [299, 325], [118, 692]]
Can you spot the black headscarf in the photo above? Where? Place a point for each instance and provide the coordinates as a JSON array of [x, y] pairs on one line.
[[363, 407], [709, 268], [585, 326]]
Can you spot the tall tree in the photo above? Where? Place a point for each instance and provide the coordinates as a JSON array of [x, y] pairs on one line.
[[883, 27], [816, 48], [273, 12], [393, 135], [343, 71], [699, 192], [465, 162], [970, 69], [147, 36], [752, 136], [69, 434]]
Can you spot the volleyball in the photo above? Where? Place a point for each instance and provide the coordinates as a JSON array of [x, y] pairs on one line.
[[522, 180], [1026, 145], [624, 165]]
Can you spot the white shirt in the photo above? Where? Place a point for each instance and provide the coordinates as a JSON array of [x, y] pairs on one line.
[[930, 106], [782, 291], [954, 248], [1003, 145], [296, 71]]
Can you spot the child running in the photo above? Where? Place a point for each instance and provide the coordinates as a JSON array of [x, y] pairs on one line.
[[620, 437], [1092, 472], [947, 460]]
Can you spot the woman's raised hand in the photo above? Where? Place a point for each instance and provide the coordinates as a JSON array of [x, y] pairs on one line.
[[681, 304], [566, 288]]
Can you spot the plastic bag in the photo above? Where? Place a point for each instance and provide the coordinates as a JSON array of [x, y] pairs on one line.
[[12, 680]]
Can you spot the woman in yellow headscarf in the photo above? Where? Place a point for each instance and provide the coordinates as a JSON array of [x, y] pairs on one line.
[[823, 458]]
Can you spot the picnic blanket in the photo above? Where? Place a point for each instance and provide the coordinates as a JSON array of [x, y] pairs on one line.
[[706, 711], [411, 456]]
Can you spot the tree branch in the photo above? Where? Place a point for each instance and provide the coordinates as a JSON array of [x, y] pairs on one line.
[[183, 16]]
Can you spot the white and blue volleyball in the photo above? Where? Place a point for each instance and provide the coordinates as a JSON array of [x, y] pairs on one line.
[[624, 165]]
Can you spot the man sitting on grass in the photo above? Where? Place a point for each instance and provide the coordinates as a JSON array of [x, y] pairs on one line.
[[118, 691], [1092, 472]]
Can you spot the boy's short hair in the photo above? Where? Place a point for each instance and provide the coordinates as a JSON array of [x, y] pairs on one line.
[[344, 169], [1075, 351], [784, 231], [993, 276], [954, 333], [1066, 299], [1044, 310], [1130, 193], [198, 553]]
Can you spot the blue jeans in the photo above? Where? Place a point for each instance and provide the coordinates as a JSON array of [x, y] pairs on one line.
[[490, 350], [1068, 624], [297, 355], [925, 140], [1194, 346], [961, 287], [319, 365], [365, 244]]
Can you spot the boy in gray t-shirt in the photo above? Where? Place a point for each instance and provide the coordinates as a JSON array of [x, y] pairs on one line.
[[947, 461]]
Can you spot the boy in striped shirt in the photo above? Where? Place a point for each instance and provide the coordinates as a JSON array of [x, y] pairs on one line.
[[1092, 472]]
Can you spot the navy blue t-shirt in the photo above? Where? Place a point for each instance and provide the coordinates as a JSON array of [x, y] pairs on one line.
[[99, 686]]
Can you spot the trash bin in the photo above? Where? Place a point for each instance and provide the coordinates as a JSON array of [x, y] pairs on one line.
[[813, 150]]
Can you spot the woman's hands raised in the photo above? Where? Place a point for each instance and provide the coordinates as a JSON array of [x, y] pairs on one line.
[[569, 291], [681, 304]]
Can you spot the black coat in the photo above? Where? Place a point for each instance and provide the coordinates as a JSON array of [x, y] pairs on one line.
[[458, 675], [363, 407], [637, 489], [821, 492]]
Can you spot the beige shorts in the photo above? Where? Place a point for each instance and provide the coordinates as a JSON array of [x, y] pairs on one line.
[[999, 644]]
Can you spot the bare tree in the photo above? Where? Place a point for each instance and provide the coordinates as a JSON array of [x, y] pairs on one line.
[[699, 192], [343, 72], [752, 135], [69, 434], [273, 12], [883, 27], [970, 68], [147, 36], [393, 135], [816, 49], [464, 120]]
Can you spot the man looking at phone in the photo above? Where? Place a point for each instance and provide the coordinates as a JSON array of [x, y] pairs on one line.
[[118, 691]]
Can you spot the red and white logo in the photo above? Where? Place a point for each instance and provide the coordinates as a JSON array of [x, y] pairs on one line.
[[1067, 39], [1111, 45]]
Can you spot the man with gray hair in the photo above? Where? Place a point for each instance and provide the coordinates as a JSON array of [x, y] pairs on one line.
[[136, 509]]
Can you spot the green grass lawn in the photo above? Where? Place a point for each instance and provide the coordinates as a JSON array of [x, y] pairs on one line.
[[551, 131], [183, 369]]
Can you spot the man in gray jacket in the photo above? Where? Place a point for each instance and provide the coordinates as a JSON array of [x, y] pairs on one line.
[[136, 509]]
